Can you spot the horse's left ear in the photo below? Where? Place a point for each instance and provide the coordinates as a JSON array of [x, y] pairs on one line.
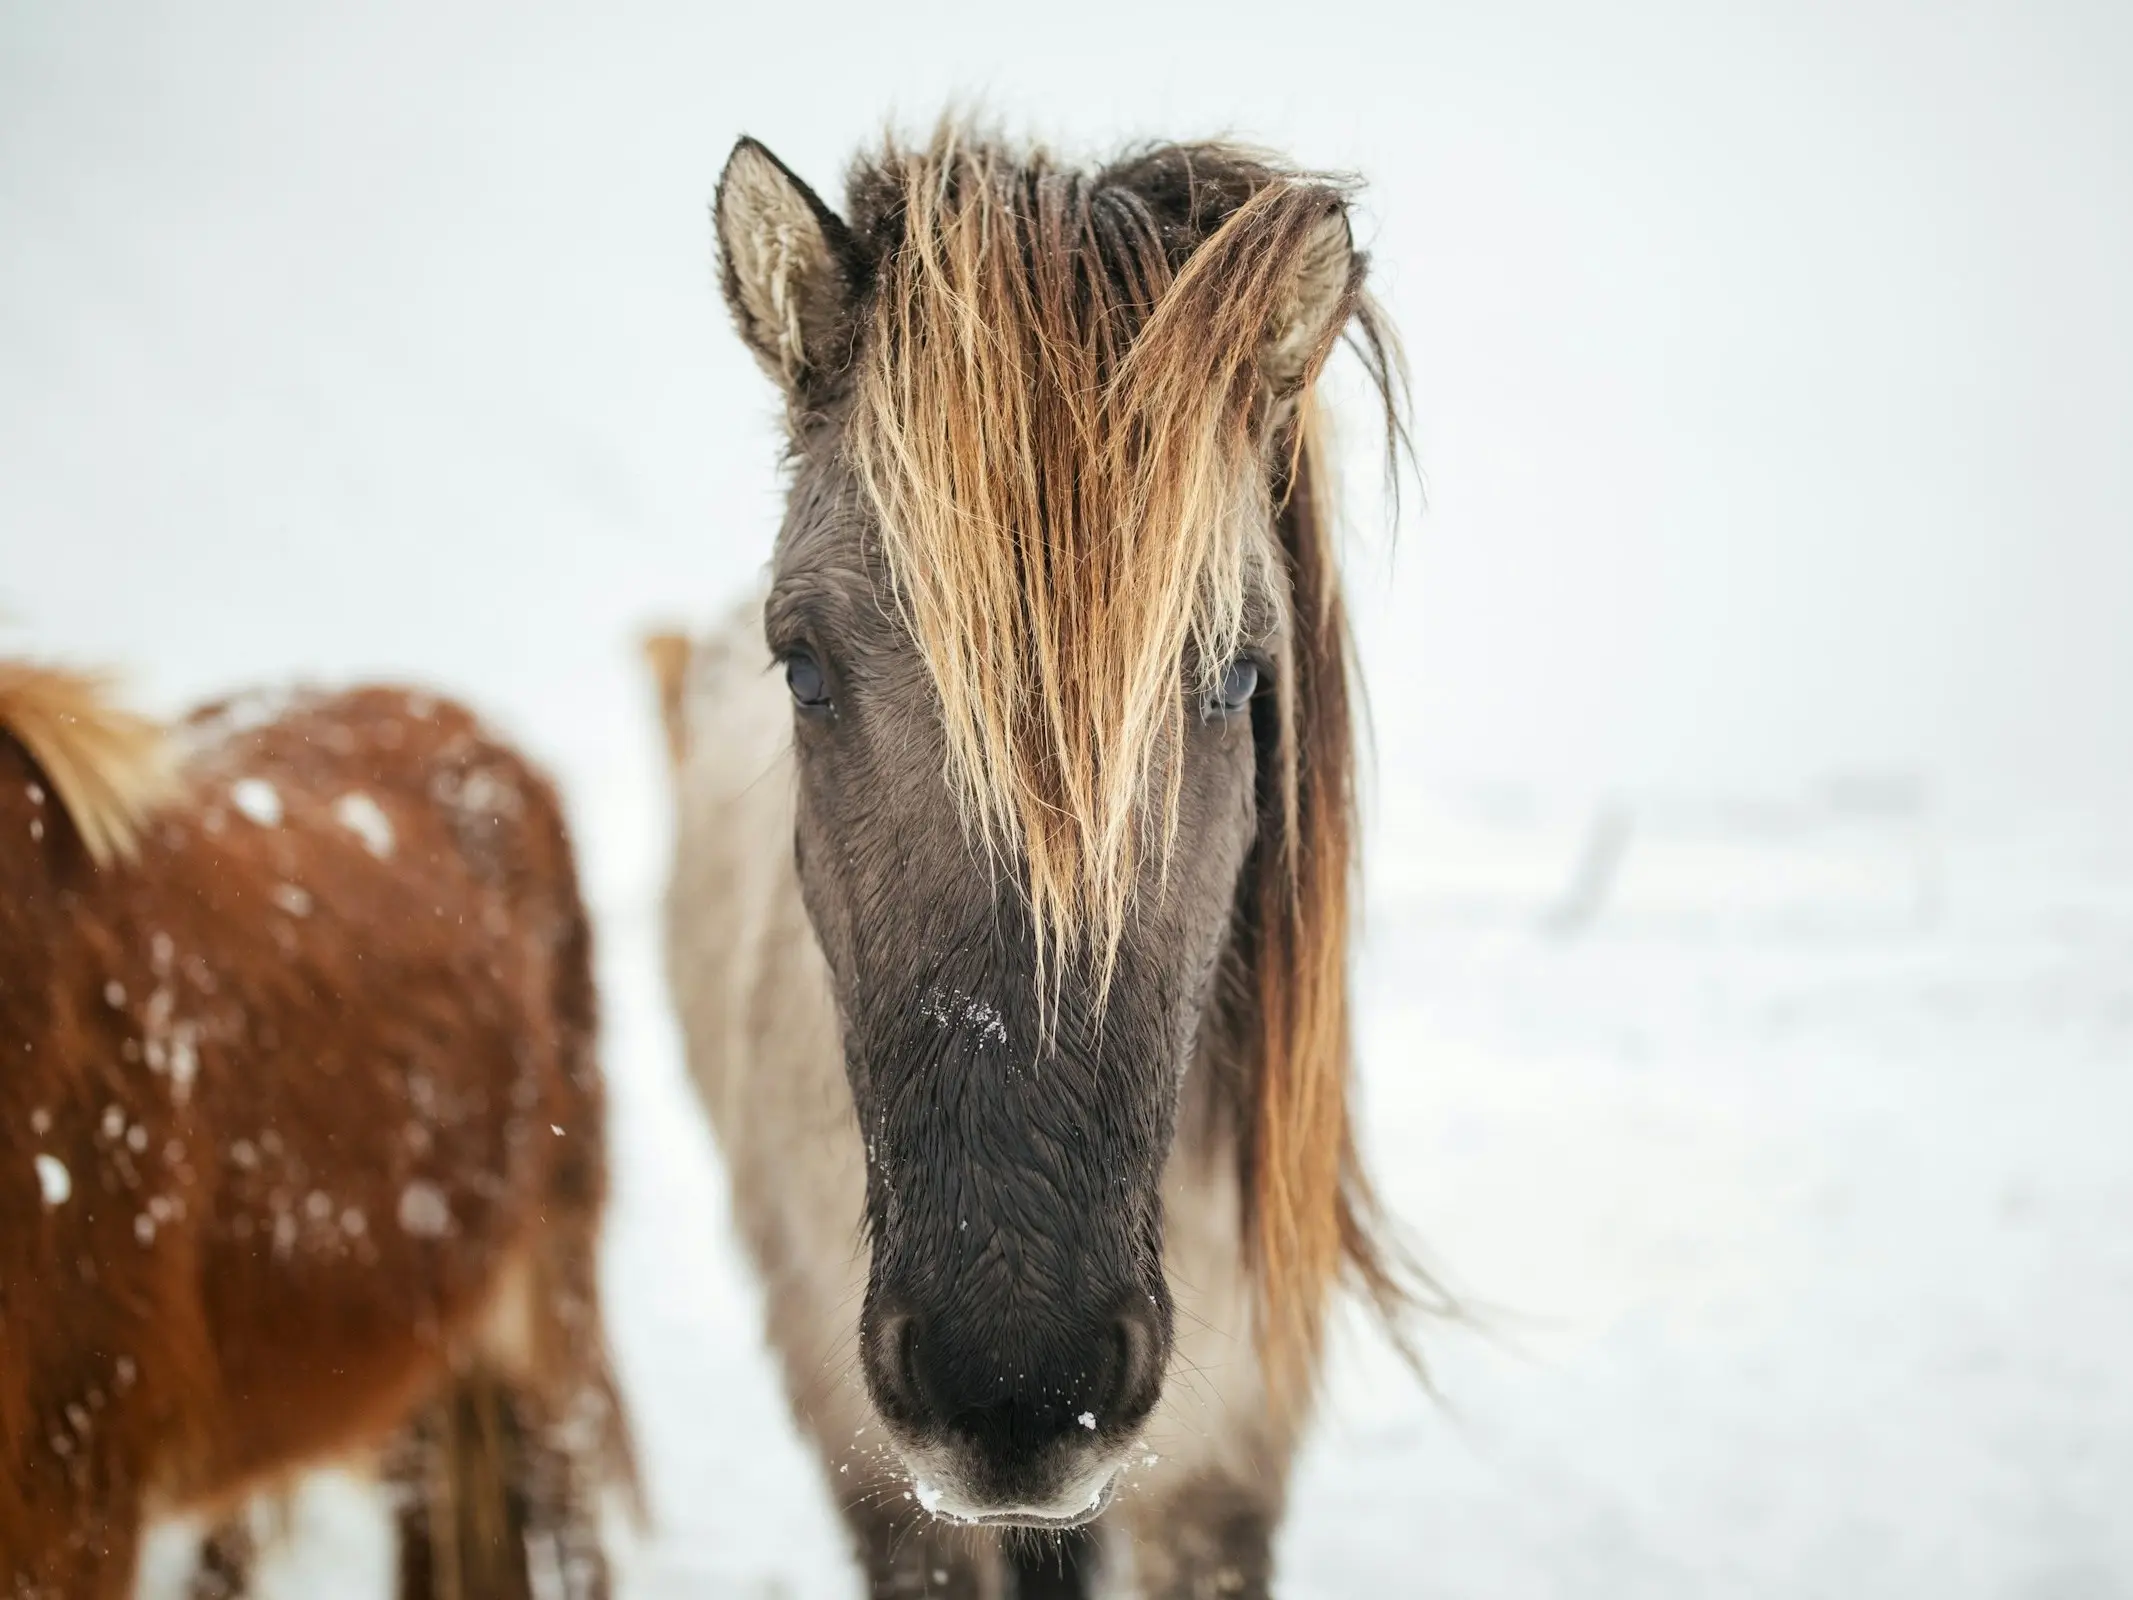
[[784, 263], [1324, 281]]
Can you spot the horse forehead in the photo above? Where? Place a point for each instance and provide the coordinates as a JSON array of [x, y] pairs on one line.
[[831, 559], [824, 578]]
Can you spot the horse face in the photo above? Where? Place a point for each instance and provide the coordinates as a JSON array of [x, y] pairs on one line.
[[1017, 1121], [1022, 861]]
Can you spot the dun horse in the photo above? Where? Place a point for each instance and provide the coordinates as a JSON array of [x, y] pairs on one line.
[[1009, 929], [301, 1148]]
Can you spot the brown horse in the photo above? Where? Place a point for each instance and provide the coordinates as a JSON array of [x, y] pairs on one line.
[[301, 1145], [1009, 932]]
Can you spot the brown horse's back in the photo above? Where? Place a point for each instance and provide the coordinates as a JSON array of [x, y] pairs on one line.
[[317, 1068]]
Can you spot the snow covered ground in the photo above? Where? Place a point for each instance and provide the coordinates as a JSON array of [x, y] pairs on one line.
[[1774, 370]]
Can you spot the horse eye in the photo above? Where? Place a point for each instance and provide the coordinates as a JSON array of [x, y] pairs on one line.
[[1239, 684], [803, 675]]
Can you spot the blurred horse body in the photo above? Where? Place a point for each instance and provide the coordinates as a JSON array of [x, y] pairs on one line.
[[301, 1137]]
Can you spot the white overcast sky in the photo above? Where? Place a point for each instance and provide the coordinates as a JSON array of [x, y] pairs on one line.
[[1774, 364]]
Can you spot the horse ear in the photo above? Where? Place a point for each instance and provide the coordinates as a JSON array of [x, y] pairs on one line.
[[783, 263], [1324, 281], [667, 654]]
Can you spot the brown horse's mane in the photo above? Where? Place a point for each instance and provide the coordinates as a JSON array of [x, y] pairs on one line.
[[1064, 411], [110, 767]]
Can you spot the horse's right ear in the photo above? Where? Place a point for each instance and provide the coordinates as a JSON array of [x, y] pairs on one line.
[[784, 264]]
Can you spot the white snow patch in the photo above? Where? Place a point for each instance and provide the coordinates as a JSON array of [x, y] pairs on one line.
[[424, 1211], [363, 817], [489, 794], [953, 1008], [184, 1061], [1088, 1420], [246, 713], [53, 1180], [258, 800]]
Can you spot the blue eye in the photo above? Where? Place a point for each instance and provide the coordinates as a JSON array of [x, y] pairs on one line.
[[1239, 684], [803, 675]]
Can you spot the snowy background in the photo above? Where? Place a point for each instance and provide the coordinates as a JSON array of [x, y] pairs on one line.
[[1748, 993]]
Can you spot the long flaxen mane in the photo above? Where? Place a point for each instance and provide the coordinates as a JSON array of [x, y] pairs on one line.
[[111, 767], [1081, 409]]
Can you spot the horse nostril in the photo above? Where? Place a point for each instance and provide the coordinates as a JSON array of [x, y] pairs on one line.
[[896, 1364], [1089, 1386], [1135, 1366]]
